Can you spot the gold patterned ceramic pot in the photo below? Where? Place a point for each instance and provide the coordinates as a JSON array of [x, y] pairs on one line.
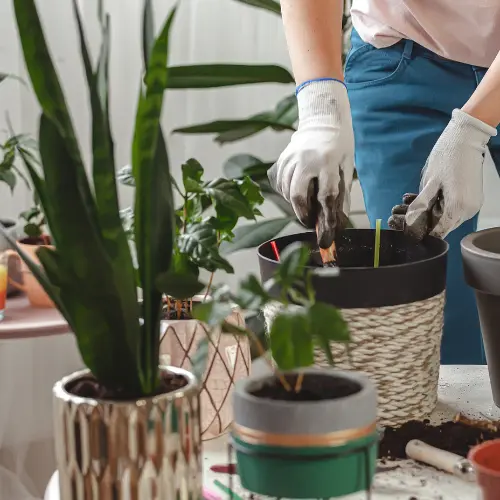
[[228, 361], [148, 449]]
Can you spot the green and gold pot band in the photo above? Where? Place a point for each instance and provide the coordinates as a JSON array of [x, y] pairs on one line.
[[337, 438]]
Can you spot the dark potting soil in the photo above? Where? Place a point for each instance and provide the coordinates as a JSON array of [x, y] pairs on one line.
[[89, 387], [41, 240], [315, 387], [172, 314], [455, 437]]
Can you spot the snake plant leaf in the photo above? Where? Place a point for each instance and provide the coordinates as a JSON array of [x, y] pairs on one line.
[[291, 341], [154, 210], [179, 285], [148, 31], [253, 235], [269, 5], [87, 63], [202, 76], [89, 282], [50, 95]]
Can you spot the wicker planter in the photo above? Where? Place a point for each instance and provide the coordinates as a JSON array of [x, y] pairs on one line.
[[148, 449], [306, 449], [228, 361], [395, 314]]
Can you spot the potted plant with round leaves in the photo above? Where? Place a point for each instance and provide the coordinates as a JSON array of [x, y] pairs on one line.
[[206, 218], [126, 427], [300, 432]]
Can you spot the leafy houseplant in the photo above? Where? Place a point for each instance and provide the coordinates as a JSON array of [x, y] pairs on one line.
[[299, 432], [206, 218], [283, 117], [125, 396]]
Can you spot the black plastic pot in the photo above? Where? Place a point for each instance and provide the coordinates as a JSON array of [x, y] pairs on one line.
[[481, 259], [409, 270]]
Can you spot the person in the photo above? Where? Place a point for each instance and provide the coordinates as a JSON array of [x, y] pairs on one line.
[[415, 91]]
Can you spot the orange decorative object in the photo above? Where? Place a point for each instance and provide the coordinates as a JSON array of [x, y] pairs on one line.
[[3, 287]]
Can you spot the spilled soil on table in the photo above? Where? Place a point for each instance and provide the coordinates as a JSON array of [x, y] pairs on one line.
[[455, 437]]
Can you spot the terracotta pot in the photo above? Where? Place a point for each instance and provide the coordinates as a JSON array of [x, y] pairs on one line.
[[485, 459], [147, 449], [228, 361], [35, 292]]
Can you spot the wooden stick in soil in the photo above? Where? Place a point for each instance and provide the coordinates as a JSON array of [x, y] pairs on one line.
[[328, 255]]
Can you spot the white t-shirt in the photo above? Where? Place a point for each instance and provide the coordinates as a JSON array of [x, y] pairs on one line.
[[466, 31]]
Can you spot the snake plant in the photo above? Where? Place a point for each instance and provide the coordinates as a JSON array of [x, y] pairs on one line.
[[89, 273]]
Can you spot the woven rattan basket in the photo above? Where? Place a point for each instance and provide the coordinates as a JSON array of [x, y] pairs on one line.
[[228, 361], [394, 312]]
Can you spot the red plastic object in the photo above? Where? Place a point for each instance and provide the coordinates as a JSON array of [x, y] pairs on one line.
[[224, 469], [485, 459], [275, 250]]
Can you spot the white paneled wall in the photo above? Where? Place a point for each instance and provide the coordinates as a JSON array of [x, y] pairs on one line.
[[205, 31]]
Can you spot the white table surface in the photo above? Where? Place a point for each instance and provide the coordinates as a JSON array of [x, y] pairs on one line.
[[463, 389]]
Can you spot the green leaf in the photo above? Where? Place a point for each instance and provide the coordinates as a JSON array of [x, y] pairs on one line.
[[250, 191], [200, 243], [87, 64], [148, 31], [291, 340], [222, 75], [269, 5], [200, 359], [252, 295], [48, 90], [9, 177], [32, 230], [212, 312], [327, 325], [256, 123], [154, 211], [293, 260], [226, 195], [253, 235], [192, 172], [3, 76], [242, 165], [179, 285]]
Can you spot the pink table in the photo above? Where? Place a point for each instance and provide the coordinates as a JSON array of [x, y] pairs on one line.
[[23, 321]]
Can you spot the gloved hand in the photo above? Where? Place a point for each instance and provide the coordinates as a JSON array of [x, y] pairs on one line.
[[315, 171], [451, 189]]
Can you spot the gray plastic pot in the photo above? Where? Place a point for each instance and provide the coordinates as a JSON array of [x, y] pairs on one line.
[[306, 449], [481, 260]]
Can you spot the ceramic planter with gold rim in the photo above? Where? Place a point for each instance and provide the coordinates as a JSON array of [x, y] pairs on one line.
[[147, 449], [306, 449]]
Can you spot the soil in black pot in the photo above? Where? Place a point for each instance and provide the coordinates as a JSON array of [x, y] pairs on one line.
[[315, 387], [89, 387], [455, 437]]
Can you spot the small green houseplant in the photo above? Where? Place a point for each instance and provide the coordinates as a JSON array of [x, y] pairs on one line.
[[205, 218], [298, 432], [125, 398]]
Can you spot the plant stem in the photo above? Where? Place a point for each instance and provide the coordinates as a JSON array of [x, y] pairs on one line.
[[298, 383], [376, 257], [262, 354], [208, 286]]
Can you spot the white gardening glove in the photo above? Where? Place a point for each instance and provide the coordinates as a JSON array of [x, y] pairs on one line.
[[315, 171], [451, 190]]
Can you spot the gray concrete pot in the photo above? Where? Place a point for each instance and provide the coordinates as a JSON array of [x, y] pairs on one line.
[[481, 260], [306, 449], [14, 230]]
